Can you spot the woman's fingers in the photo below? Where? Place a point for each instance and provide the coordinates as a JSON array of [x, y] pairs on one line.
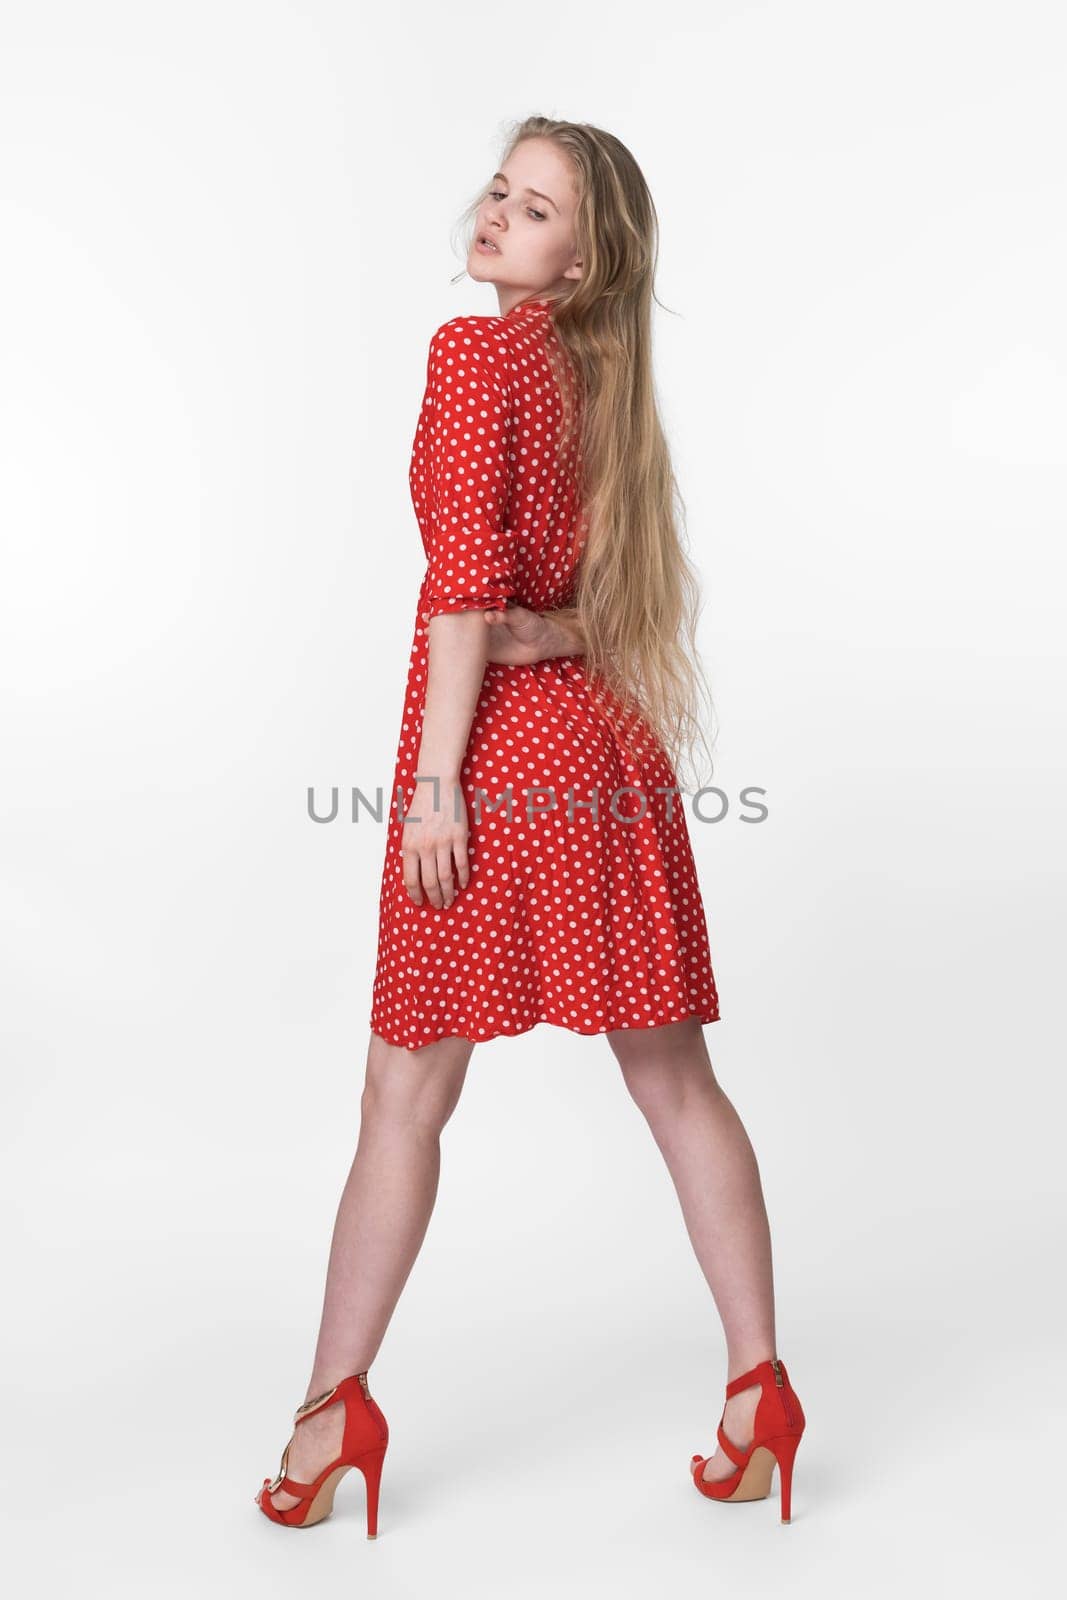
[[446, 883], [519, 635], [412, 877], [427, 858], [523, 623]]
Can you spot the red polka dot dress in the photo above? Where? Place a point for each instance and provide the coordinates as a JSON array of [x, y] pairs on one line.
[[583, 908]]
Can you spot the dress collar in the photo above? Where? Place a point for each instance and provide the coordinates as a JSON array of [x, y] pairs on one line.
[[540, 304]]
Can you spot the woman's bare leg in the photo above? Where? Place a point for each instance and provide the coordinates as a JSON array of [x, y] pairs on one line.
[[384, 1211], [713, 1166]]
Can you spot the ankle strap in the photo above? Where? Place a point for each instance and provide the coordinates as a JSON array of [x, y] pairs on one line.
[[332, 1395], [771, 1368]]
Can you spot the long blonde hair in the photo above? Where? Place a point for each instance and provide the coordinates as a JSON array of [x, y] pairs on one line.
[[636, 593]]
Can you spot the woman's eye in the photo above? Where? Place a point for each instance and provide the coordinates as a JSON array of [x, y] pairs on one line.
[[497, 194]]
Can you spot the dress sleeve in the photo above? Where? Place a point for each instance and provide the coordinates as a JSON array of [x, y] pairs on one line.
[[466, 415]]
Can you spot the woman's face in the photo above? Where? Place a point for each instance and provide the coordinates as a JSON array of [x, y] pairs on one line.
[[527, 216]]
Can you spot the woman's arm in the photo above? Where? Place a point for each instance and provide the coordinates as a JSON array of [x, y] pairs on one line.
[[454, 678], [463, 449], [460, 644], [437, 831]]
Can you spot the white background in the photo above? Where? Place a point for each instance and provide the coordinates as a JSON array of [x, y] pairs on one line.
[[226, 244]]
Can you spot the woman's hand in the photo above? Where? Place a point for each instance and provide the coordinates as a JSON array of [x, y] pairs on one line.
[[430, 843], [518, 636]]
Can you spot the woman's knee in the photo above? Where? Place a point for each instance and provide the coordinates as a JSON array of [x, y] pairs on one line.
[[420, 1087], [663, 1066]]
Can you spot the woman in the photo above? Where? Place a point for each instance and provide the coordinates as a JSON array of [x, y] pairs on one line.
[[537, 863]]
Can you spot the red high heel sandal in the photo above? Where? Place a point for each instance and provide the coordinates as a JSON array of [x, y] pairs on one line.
[[779, 1424], [365, 1439]]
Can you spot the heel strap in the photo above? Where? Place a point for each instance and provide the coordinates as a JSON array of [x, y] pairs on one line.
[[330, 1396], [772, 1369]]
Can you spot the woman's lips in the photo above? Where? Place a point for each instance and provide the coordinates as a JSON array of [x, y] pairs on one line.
[[486, 249]]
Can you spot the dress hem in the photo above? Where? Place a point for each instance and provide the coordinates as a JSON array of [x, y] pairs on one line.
[[587, 1033]]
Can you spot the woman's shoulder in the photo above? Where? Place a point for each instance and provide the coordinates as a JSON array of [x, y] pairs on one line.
[[471, 341], [489, 332]]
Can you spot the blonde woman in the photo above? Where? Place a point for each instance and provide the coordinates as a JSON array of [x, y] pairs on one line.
[[538, 866]]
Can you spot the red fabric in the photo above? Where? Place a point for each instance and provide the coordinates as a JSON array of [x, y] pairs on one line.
[[586, 922]]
